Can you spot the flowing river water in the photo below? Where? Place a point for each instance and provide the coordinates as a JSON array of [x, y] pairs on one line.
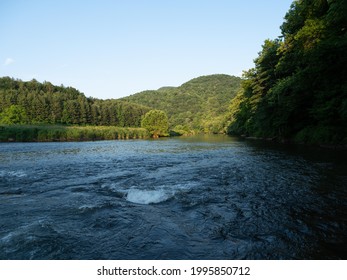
[[206, 197]]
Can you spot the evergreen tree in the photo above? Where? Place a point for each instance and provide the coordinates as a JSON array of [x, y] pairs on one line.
[[48, 104]]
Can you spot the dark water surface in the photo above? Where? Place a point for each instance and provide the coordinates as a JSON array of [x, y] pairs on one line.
[[181, 198]]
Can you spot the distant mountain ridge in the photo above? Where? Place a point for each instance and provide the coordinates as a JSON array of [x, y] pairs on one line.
[[200, 104]]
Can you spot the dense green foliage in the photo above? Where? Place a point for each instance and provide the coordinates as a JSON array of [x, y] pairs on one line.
[[14, 114], [43, 103], [44, 133], [298, 87], [156, 122], [198, 105]]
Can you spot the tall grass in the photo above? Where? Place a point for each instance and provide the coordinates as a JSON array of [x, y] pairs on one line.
[[49, 133]]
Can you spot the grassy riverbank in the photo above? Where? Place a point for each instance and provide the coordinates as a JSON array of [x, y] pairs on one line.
[[50, 133]]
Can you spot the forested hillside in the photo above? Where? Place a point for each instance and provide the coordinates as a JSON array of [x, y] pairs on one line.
[[43, 103], [298, 88], [198, 105]]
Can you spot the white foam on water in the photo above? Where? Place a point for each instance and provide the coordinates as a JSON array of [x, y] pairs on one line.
[[7, 238], [149, 196], [155, 194], [17, 174], [86, 207], [22, 230]]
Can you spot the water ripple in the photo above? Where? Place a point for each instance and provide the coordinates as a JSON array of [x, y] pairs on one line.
[[181, 198]]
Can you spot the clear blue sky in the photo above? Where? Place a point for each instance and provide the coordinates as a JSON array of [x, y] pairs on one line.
[[114, 48]]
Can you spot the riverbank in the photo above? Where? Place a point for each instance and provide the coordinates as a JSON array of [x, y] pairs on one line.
[[60, 133], [334, 146]]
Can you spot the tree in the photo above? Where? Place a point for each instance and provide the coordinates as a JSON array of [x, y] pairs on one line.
[[156, 122], [13, 115], [49, 104], [297, 89]]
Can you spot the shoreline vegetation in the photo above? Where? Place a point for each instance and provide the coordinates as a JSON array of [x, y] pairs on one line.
[[60, 133]]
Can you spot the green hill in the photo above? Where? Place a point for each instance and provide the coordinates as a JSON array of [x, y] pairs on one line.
[[200, 104]]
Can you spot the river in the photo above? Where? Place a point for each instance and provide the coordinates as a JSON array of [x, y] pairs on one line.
[[205, 197]]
